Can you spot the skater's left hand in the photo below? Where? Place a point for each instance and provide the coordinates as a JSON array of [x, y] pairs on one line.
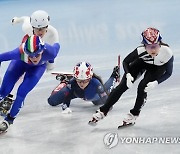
[[150, 86], [129, 81], [67, 111], [49, 66]]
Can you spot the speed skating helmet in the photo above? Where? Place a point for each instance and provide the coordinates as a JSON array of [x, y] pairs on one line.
[[83, 71], [33, 46], [151, 36], [39, 19]]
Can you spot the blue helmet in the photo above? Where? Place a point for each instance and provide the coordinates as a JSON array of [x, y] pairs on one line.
[[33, 46]]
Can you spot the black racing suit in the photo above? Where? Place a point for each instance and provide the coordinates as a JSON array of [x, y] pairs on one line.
[[157, 68]]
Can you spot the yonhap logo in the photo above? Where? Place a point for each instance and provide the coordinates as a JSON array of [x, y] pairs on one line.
[[111, 140]]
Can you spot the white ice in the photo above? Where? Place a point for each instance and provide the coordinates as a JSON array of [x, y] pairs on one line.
[[94, 31]]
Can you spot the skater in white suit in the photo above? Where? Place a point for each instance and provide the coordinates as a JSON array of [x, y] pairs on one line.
[[39, 24]]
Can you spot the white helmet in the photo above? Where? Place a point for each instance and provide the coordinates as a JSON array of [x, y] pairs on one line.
[[39, 19], [83, 71]]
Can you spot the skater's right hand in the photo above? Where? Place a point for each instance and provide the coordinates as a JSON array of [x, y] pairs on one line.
[[130, 80]]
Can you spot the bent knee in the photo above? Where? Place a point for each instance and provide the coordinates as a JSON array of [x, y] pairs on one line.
[[52, 102]]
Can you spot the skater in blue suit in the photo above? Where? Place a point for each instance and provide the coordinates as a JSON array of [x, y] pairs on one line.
[[28, 59], [84, 84], [39, 24]]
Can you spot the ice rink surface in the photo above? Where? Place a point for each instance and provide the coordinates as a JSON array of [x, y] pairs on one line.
[[95, 31]]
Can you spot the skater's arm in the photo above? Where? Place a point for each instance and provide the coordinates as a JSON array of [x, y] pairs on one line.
[[52, 50], [169, 69], [102, 95], [10, 55], [129, 59], [54, 36]]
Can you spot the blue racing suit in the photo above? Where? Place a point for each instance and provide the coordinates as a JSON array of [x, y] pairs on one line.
[[95, 92], [19, 65]]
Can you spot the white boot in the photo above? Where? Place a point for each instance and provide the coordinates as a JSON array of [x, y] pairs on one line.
[[130, 119], [96, 117], [4, 126]]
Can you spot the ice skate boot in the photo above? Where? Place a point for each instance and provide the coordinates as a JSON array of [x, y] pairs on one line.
[[5, 105], [4, 126], [129, 119], [6, 123], [62, 78], [96, 117]]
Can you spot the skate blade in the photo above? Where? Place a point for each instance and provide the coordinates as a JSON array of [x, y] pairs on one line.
[[124, 125], [92, 123], [3, 132]]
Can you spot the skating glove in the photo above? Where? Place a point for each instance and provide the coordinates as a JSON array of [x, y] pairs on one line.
[[49, 66], [130, 80], [66, 109], [150, 86], [15, 20]]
